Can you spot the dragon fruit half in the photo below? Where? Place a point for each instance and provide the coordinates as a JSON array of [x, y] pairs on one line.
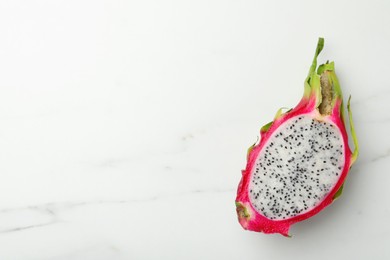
[[303, 157]]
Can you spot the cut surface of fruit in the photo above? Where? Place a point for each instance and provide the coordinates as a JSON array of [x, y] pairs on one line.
[[298, 166]]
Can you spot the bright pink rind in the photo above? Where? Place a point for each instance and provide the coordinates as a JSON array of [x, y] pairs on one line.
[[253, 220]]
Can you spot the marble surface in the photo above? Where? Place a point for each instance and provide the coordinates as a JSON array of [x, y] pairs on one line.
[[125, 124]]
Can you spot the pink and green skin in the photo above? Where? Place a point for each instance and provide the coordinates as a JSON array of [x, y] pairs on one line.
[[248, 217]]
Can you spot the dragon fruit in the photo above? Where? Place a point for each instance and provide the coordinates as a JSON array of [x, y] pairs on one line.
[[302, 159]]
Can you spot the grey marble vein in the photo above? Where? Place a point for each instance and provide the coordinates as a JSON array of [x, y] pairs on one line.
[[54, 209], [21, 228], [381, 156]]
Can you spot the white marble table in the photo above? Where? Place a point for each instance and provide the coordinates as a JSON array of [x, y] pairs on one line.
[[124, 125]]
